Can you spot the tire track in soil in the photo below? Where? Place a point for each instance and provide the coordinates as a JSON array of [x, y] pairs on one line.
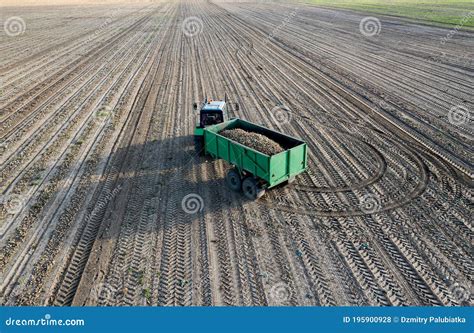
[[115, 171]]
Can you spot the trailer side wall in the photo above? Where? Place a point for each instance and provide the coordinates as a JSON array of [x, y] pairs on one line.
[[273, 169]]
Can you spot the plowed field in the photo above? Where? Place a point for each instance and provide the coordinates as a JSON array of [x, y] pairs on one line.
[[105, 201]]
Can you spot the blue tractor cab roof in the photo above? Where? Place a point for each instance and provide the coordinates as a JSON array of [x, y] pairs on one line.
[[213, 106]]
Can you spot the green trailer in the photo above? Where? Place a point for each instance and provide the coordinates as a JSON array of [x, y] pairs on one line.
[[253, 172]]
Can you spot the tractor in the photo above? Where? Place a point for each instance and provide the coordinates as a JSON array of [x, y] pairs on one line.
[[210, 113], [252, 172]]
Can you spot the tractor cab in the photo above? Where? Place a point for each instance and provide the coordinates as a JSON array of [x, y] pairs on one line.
[[210, 113]]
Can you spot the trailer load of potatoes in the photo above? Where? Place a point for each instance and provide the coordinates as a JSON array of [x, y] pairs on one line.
[[253, 140]]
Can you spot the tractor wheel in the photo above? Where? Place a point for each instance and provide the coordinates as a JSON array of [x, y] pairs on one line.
[[199, 145], [233, 180], [251, 189]]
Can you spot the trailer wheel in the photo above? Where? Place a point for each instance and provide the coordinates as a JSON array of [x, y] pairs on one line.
[[251, 189], [233, 180]]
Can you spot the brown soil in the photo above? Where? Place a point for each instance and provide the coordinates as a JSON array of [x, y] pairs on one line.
[[105, 202]]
